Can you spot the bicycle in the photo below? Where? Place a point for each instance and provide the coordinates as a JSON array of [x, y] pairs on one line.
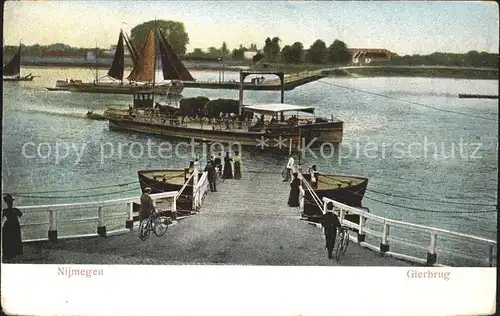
[[343, 243], [283, 173], [154, 223]]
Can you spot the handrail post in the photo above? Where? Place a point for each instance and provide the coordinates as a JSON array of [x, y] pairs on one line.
[[129, 223], [342, 215], [174, 208], [324, 207], [431, 254], [384, 245], [52, 234], [101, 226], [195, 176], [361, 234], [493, 256]]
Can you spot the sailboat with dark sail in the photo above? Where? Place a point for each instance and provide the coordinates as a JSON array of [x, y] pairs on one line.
[[173, 70], [12, 70]]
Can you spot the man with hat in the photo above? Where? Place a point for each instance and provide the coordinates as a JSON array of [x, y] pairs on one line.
[[330, 223], [147, 206], [12, 244]]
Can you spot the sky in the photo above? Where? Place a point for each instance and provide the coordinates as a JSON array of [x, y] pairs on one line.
[[411, 27]]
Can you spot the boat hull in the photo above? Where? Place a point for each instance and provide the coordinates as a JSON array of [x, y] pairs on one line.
[[96, 117], [114, 88], [19, 79], [185, 200], [125, 89], [275, 140], [351, 195]]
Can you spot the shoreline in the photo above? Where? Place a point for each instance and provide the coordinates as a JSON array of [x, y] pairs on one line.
[[362, 72]]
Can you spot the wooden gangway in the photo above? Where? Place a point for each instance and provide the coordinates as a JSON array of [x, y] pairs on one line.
[[246, 222]]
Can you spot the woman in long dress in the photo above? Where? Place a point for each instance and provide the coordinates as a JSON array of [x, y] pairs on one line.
[[237, 166], [11, 231], [293, 198], [228, 169]]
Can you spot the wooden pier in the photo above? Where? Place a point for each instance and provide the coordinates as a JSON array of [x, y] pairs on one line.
[[246, 222], [291, 82]]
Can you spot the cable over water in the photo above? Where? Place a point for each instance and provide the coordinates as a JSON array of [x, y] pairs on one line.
[[407, 101]]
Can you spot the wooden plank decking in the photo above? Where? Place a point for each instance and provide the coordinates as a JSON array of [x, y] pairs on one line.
[[246, 222]]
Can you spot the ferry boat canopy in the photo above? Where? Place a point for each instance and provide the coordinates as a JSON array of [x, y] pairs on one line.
[[274, 108]]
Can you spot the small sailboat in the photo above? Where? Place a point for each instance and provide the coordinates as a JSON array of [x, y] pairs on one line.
[[12, 70]]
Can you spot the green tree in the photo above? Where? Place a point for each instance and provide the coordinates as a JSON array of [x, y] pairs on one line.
[[238, 53], [175, 32], [198, 52], [298, 52], [253, 47], [337, 53], [286, 54], [224, 50], [272, 49], [293, 54], [316, 53], [214, 52]]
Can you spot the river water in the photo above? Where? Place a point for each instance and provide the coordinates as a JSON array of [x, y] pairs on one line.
[[415, 155]]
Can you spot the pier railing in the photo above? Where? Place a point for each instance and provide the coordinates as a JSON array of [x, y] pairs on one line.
[[86, 219], [477, 249], [200, 190]]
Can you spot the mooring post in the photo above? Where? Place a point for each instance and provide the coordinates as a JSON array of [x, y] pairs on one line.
[[101, 226], [52, 234], [431, 254]]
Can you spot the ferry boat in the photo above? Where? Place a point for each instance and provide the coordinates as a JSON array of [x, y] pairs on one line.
[[275, 133]]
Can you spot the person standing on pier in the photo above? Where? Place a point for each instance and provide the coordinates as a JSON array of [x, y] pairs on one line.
[[238, 166], [147, 206], [293, 198], [330, 223], [289, 167], [12, 244], [314, 177], [228, 169], [218, 161], [211, 176]]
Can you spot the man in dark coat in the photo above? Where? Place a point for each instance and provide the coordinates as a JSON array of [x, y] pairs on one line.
[[147, 206], [330, 222], [211, 176]]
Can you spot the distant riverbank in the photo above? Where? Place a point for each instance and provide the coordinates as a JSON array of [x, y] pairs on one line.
[[386, 71], [328, 70], [484, 74]]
